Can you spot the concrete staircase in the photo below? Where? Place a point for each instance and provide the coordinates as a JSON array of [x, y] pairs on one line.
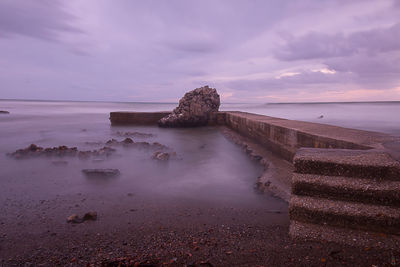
[[346, 196]]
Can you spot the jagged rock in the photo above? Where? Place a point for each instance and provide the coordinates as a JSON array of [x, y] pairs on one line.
[[194, 109], [128, 141], [4, 112], [101, 172], [161, 156]]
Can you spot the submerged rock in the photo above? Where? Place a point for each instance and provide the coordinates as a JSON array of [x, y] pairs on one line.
[[60, 151], [158, 155], [128, 142], [134, 134], [194, 109], [34, 150], [4, 112], [101, 172]]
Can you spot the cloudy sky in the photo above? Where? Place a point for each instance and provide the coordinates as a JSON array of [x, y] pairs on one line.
[[250, 50]]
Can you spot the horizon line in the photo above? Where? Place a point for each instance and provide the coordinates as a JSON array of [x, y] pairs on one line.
[[161, 102]]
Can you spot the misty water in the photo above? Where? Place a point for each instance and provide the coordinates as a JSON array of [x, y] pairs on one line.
[[208, 169]]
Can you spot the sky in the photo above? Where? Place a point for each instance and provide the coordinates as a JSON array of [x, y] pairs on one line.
[[154, 51]]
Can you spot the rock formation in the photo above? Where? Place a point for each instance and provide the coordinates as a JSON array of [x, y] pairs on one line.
[[194, 109]]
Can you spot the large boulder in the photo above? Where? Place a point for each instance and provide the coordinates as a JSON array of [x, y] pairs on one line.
[[194, 109]]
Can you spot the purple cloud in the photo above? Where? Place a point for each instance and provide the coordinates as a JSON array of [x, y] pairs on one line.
[[321, 45], [157, 50], [42, 19]]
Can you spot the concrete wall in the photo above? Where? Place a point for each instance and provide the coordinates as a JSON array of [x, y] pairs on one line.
[[284, 137], [138, 118]]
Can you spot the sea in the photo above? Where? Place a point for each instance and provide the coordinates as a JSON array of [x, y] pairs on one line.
[[205, 169]]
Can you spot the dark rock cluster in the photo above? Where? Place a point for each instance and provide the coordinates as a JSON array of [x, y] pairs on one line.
[[194, 109], [128, 142], [60, 151]]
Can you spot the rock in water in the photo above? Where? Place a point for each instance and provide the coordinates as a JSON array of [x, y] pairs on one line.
[[194, 109], [163, 156], [101, 172], [4, 112]]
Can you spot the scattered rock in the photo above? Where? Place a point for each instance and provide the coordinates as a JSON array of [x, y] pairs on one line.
[[102, 152], [162, 156], [89, 216], [4, 112], [320, 117], [101, 172], [194, 109], [60, 151], [74, 218], [128, 142], [134, 134], [34, 150]]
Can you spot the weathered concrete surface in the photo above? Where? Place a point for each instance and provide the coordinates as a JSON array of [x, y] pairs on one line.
[[276, 177], [136, 118], [343, 189], [349, 163], [284, 137], [369, 191]]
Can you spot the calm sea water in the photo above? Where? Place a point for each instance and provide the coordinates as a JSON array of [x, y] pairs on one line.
[[371, 116], [208, 168]]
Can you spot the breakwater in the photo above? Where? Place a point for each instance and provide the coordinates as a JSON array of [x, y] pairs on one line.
[[345, 186]]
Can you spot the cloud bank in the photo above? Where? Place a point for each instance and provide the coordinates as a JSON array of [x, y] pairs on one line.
[[251, 51]]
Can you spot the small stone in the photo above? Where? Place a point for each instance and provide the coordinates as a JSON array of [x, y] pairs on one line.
[[74, 218], [90, 216], [4, 112]]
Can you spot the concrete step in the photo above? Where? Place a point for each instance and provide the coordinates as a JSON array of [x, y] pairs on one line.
[[379, 192], [351, 237], [360, 216], [368, 164]]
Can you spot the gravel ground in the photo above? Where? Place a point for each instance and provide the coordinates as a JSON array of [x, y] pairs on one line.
[[176, 235]]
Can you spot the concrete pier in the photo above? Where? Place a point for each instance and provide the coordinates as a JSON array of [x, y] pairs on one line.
[[346, 182], [136, 118]]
